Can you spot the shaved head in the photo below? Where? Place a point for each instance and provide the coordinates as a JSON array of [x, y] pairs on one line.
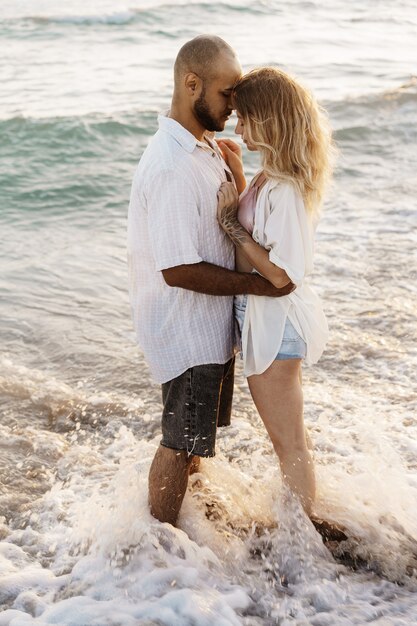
[[200, 56], [205, 72]]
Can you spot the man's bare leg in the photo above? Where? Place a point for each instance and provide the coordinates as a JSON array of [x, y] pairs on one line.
[[168, 479], [194, 465]]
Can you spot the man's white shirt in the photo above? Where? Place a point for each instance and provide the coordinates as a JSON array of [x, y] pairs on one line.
[[173, 221]]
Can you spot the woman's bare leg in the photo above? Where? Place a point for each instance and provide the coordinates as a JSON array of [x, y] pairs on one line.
[[308, 438], [278, 396]]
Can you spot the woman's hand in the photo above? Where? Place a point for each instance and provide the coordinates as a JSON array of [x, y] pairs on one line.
[[231, 150], [232, 154]]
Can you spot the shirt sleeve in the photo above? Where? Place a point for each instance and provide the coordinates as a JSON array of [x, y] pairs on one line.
[[173, 220], [285, 232]]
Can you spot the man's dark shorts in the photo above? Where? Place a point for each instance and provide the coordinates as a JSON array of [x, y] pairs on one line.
[[195, 404]]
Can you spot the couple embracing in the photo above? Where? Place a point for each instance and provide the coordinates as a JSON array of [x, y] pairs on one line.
[[209, 252]]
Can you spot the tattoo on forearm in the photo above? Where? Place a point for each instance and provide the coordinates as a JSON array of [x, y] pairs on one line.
[[232, 227], [234, 230]]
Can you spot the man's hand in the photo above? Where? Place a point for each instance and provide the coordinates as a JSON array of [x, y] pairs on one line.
[[267, 289]]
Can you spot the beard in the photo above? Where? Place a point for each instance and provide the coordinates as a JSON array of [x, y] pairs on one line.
[[205, 116]]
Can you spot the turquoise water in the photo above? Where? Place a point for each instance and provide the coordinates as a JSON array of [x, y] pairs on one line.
[[81, 86]]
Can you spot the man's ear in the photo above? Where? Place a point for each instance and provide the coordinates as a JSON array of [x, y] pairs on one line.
[[192, 84]]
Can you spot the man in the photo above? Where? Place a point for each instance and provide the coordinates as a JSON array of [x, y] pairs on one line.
[[182, 277]]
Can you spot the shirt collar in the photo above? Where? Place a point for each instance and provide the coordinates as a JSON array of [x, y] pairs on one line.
[[183, 136]]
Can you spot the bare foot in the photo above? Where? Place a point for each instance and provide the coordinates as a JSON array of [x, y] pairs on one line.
[[330, 531]]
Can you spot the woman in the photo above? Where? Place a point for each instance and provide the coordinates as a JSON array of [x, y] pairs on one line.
[[273, 229]]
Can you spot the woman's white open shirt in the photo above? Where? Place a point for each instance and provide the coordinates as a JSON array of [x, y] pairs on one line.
[[283, 226]]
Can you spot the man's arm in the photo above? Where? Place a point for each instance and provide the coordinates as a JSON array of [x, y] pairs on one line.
[[218, 281]]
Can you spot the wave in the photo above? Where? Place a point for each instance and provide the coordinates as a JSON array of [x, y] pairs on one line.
[[385, 113], [152, 12], [81, 127], [409, 88], [404, 92], [79, 165], [65, 404], [151, 15], [125, 17]]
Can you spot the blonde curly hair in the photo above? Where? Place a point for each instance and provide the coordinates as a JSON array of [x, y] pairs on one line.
[[284, 122]]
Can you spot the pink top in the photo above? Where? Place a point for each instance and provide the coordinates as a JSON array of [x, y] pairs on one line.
[[247, 204]]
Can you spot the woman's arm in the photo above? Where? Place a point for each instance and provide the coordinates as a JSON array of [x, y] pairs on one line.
[[232, 154], [257, 256]]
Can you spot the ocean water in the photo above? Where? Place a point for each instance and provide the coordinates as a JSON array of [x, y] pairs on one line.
[[81, 84]]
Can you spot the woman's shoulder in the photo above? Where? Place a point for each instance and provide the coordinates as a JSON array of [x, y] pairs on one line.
[[280, 191]]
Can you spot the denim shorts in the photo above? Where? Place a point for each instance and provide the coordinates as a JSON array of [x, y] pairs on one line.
[[292, 346], [195, 404]]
